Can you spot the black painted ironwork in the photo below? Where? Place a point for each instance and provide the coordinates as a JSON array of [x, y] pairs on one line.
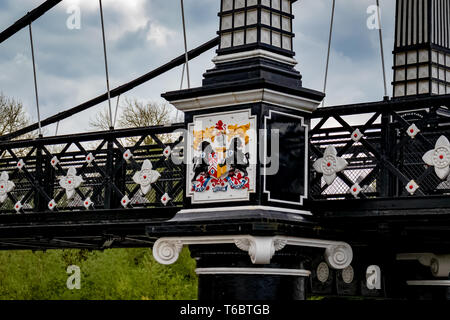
[[386, 158], [106, 180], [383, 162], [28, 19]]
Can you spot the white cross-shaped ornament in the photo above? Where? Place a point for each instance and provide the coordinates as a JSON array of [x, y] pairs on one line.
[[6, 186], [439, 157], [70, 182], [146, 177], [330, 164]]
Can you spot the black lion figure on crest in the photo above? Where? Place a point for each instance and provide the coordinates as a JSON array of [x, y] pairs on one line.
[[201, 163], [236, 158]]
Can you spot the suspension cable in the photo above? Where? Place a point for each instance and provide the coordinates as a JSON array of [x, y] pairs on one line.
[[329, 48], [185, 45], [31, 16], [117, 108], [178, 61], [35, 81], [57, 127], [182, 76], [381, 49], [106, 66], [181, 87]]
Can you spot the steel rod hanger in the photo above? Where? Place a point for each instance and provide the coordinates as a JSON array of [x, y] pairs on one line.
[[382, 49], [35, 82], [185, 46], [178, 61], [27, 19], [106, 66], [329, 49]]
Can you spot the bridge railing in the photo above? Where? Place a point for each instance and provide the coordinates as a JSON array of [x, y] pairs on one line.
[[384, 161], [129, 168], [383, 144]]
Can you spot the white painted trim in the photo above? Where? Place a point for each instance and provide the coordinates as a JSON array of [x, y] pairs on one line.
[[445, 283], [306, 158], [265, 271], [241, 208], [257, 53], [338, 254], [244, 97]]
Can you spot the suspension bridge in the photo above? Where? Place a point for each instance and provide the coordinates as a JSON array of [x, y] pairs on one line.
[[353, 200]]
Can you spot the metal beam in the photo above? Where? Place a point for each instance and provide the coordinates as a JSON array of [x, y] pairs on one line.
[[27, 19], [116, 91], [385, 105]]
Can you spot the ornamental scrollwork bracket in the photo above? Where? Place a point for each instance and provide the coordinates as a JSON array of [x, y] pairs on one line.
[[338, 255]]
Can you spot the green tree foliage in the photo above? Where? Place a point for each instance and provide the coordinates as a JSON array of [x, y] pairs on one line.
[[113, 274], [110, 274]]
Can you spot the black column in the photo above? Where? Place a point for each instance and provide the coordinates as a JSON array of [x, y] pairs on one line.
[[257, 286]]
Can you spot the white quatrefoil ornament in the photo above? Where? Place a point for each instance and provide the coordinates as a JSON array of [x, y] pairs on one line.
[[439, 158], [330, 164], [6, 186], [70, 182], [146, 177]]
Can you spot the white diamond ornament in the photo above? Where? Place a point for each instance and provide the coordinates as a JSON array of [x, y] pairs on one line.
[[6, 186], [146, 177], [125, 201], [355, 190], [167, 152], [330, 164], [127, 155], [18, 206], [54, 162], [52, 204], [70, 182], [439, 157], [87, 203], [413, 131], [20, 164], [89, 158], [357, 135], [165, 199], [412, 187]]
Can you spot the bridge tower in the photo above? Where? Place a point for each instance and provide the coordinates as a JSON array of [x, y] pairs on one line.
[[422, 48], [246, 211]]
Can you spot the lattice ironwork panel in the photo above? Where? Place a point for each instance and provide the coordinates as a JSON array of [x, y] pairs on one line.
[[384, 153], [92, 171]]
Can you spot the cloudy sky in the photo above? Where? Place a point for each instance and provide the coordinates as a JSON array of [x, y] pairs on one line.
[[143, 34]]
